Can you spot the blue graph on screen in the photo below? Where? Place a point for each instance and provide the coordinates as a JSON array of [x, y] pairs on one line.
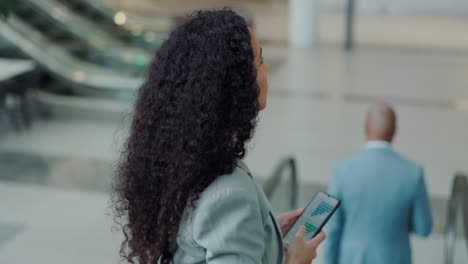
[[323, 208]]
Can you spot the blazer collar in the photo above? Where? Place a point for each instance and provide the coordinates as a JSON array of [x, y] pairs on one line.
[[243, 166], [377, 144]]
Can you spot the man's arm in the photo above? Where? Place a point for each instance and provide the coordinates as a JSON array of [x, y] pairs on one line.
[[421, 218], [335, 225]]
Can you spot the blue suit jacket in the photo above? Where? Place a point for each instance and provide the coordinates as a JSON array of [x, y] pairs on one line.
[[383, 199]]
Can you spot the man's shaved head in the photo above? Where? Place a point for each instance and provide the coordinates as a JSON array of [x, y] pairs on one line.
[[380, 123]]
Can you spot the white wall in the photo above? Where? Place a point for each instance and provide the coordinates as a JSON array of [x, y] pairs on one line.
[[442, 7]]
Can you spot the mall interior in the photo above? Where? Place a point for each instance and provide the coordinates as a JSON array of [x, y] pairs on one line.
[[70, 69]]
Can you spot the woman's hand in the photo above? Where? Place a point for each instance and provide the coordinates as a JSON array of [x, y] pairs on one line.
[[286, 220], [300, 251]]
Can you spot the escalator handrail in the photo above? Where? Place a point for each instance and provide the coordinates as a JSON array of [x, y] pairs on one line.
[[109, 13], [99, 80], [458, 199], [86, 31], [273, 182]]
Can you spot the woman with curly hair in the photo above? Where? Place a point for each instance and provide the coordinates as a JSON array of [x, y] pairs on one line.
[[182, 192]]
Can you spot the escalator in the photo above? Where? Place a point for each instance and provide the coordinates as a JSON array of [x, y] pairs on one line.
[[456, 235], [79, 36], [73, 63], [115, 22], [86, 60], [282, 187]]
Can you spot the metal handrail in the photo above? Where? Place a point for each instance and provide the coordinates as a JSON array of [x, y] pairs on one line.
[[273, 182], [98, 7], [349, 26], [458, 199], [87, 78]]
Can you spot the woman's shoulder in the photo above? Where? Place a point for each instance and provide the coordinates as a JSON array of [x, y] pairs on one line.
[[238, 181], [235, 193]]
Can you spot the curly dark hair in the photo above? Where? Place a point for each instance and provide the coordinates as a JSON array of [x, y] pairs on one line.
[[194, 115]]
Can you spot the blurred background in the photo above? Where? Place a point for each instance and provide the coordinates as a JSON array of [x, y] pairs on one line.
[[69, 70]]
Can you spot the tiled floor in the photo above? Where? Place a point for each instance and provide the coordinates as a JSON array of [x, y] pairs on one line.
[[8, 231], [57, 226], [64, 226]]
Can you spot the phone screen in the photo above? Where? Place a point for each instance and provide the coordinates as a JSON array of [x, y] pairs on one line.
[[314, 217]]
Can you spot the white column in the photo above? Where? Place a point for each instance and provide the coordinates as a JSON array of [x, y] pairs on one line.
[[303, 22]]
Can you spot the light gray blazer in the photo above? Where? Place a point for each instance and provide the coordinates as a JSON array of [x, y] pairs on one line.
[[232, 223]]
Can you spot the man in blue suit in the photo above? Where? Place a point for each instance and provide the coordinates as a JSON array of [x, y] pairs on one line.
[[383, 200]]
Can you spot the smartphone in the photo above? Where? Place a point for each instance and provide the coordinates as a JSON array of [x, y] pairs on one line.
[[314, 217]]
